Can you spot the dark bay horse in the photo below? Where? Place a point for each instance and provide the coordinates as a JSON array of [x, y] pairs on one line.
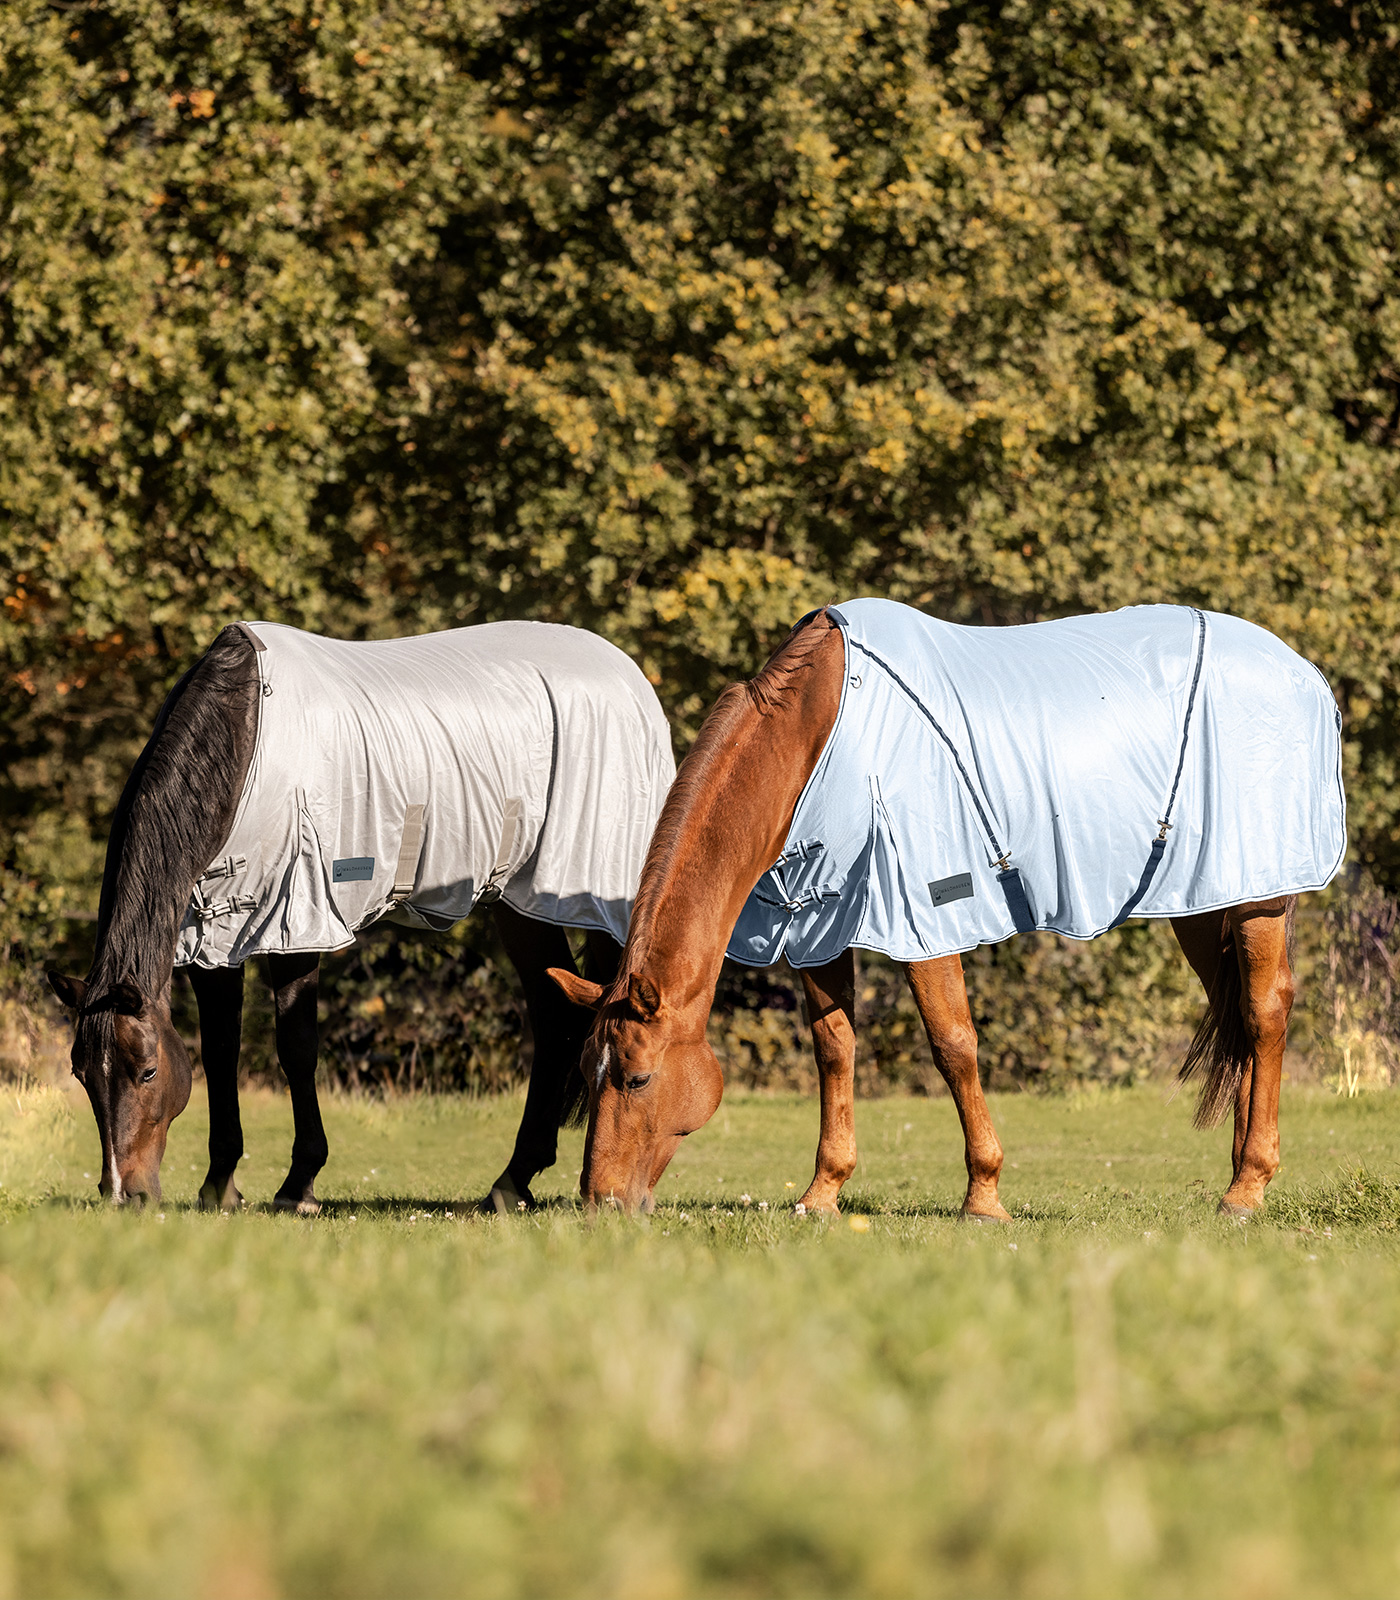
[[652, 1076], [173, 820]]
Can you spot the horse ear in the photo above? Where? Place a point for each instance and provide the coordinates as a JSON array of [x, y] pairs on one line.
[[126, 997], [71, 991], [580, 990], [643, 997]]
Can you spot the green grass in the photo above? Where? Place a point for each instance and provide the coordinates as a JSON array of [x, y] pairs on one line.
[[1117, 1395]]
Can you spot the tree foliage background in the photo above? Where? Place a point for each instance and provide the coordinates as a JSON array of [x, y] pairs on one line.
[[671, 319]]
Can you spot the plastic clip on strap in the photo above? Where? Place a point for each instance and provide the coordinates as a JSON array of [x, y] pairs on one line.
[[410, 849]]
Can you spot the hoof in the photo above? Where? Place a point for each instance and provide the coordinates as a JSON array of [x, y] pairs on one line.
[[307, 1206], [1235, 1212], [506, 1199], [215, 1196], [1000, 1215]]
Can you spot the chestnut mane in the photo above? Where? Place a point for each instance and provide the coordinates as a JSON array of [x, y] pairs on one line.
[[769, 691]]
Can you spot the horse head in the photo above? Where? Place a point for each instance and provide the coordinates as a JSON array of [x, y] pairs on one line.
[[652, 1079], [136, 1070]]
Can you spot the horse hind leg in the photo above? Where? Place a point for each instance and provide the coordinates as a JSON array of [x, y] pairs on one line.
[[1266, 1001], [1241, 958], [218, 993], [941, 996], [831, 1005]]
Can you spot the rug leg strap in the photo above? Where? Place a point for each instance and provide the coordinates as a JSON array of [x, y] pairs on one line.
[[511, 824], [1154, 860], [410, 849]]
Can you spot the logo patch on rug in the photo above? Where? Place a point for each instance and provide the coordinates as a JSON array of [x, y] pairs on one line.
[[958, 887]]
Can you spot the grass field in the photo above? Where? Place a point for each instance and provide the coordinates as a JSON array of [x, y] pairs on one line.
[[1117, 1395]]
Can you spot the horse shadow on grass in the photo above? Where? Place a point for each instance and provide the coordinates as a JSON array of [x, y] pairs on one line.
[[410, 1206]]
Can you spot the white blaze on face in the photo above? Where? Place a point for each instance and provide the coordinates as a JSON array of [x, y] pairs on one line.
[[109, 1151], [604, 1060]]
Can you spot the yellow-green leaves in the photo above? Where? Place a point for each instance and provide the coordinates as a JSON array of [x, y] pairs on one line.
[[673, 319]]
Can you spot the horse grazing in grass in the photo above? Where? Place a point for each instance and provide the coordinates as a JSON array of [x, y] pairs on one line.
[[296, 789], [909, 786]]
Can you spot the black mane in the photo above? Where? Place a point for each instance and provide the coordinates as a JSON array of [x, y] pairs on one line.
[[174, 814]]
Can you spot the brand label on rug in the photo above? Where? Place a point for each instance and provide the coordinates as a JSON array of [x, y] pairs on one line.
[[958, 887], [360, 869]]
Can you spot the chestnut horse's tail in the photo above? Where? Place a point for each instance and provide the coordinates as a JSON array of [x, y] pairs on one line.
[[1220, 1053], [1222, 1050]]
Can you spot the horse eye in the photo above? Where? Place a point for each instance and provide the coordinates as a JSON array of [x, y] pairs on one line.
[[148, 1075], [639, 1080]]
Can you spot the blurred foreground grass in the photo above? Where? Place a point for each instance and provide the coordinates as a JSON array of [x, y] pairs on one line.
[[1118, 1394]]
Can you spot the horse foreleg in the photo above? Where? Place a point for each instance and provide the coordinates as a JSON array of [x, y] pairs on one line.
[[1266, 1000], [941, 996], [294, 984], [559, 1028], [219, 995], [831, 1010]]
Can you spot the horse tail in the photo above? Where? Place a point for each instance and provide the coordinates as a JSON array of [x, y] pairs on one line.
[[1221, 1052]]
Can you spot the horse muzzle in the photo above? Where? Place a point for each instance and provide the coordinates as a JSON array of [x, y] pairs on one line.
[[136, 1190]]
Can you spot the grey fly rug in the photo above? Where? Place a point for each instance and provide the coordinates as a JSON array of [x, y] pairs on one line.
[[412, 778], [980, 782]]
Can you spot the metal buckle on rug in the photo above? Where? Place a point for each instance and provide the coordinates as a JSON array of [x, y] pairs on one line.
[[811, 898], [799, 852], [229, 867], [1164, 825], [205, 908]]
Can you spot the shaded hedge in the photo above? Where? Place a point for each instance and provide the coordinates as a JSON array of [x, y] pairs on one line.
[[671, 319]]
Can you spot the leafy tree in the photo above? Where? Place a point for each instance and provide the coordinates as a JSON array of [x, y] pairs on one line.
[[671, 320]]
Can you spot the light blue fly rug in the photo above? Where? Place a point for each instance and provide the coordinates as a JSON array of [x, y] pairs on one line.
[[414, 778], [980, 782]]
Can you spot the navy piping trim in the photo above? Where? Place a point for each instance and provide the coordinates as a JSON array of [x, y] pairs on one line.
[[1159, 844], [1190, 708], [938, 729]]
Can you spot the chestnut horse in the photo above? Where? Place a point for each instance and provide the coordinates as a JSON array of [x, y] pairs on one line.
[[653, 1078]]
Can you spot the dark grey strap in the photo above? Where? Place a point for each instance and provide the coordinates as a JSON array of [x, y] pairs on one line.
[[1018, 902], [246, 628], [1154, 860]]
